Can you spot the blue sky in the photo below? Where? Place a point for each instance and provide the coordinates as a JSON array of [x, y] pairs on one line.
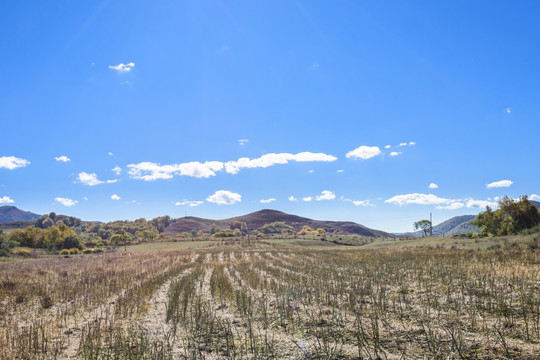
[[205, 108]]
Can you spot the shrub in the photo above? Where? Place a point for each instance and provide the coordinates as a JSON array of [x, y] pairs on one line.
[[5, 245], [64, 252], [71, 242], [74, 251], [99, 250], [88, 251]]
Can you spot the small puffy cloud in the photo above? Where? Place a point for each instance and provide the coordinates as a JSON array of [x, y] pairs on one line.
[[340, 171], [412, 143], [433, 186], [364, 203], [499, 184], [89, 179], [420, 199], [66, 201], [115, 197], [12, 162], [508, 110], [311, 171], [233, 167], [395, 153], [62, 158], [117, 170], [110, 153], [267, 201], [534, 197], [189, 203], [85, 198], [307, 198], [403, 144], [292, 198], [121, 68], [364, 152], [388, 146], [6, 200], [452, 206], [326, 195], [243, 142], [224, 197]]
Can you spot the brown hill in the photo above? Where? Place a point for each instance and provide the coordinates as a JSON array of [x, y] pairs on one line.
[[259, 218]]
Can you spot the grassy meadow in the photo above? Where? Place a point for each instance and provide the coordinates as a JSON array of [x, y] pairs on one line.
[[278, 298]]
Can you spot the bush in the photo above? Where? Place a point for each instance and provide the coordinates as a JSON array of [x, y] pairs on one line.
[[99, 250], [5, 245], [88, 251], [74, 251], [64, 252], [71, 242]]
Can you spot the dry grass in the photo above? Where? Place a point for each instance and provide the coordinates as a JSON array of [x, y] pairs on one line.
[[268, 301]]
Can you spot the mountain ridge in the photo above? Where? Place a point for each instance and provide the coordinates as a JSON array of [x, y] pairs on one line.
[[9, 213], [259, 218]]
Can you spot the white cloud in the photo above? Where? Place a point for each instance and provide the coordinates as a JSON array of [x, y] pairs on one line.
[[117, 170], [292, 198], [441, 203], [89, 179], [452, 206], [508, 110], [388, 146], [311, 171], [433, 186], [6, 200], [122, 67], [499, 184], [471, 203], [115, 197], [243, 142], [150, 171], [364, 152], [534, 197], [188, 203], [110, 153], [364, 203], [307, 198], [233, 167], [420, 199], [85, 198], [12, 162], [412, 143], [340, 171], [395, 153], [224, 197], [326, 195], [403, 144], [267, 201], [62, 158], [66, 201]]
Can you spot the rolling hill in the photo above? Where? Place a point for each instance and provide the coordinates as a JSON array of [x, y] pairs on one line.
[[259, 218], [11, 214]]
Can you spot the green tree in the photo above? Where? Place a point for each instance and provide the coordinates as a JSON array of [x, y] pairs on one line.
[[512, 217], [121, 237], [5, 245], [71, 242], [424, 225], [147, 235]]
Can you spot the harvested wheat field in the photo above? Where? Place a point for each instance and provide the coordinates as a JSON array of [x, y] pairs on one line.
[[265, 302]]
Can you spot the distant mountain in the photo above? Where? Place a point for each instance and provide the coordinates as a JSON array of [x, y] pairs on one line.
[[11, 213], [535, 203], [259, 218], [455, 226]]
